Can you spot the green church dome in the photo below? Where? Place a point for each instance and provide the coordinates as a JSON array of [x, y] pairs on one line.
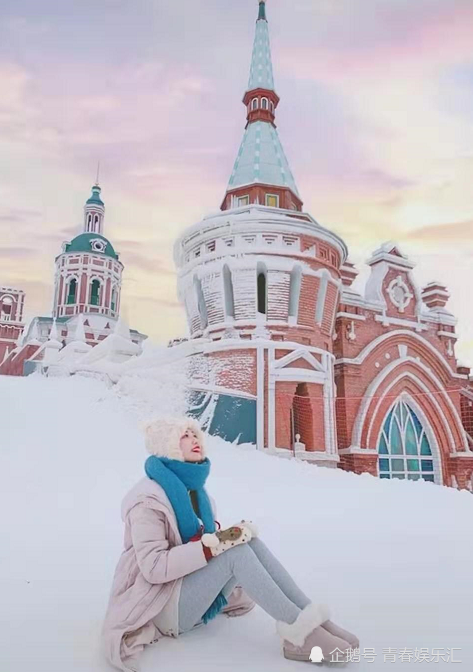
[[95, 198], [91, 242]]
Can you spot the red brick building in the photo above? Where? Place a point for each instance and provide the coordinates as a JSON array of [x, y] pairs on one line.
[[11, 319], [86, 303], [287, 355]]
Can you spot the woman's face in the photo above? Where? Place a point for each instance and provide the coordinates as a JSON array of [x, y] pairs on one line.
[[190, 446]]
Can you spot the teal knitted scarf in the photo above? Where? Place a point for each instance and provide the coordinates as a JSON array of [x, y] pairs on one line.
[[177, 479]]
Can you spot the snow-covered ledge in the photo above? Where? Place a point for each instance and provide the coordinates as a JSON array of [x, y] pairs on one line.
[[356, 450], [316, 456], [304, 455]]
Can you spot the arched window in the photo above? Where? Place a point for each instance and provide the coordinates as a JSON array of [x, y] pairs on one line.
[[262, 289], [94, 293], [96, 222], [204, 320], [7, 307], [113, 304], [254, 104], [271, 106], [264, 103], [295, 291], [72, 291], [403, 447], [89, 222], [228, 292]]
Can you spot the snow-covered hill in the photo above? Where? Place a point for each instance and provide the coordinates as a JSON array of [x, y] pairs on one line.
[[393, 559]]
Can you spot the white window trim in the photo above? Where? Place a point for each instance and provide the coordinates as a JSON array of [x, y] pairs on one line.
[[243, 205], [228, 291], [295, 291], [428, 430], [201, 305], [276, 196]]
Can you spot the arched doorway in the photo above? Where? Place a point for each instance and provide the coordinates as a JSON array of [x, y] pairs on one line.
[[404, 448], [302, 417]]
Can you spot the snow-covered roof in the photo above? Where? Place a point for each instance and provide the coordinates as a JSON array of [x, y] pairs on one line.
[[261, 159]]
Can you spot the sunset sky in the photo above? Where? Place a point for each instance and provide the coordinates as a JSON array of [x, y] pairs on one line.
[[376, 118]]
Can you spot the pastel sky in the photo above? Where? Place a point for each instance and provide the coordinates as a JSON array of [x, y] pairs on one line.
[[376, 118]]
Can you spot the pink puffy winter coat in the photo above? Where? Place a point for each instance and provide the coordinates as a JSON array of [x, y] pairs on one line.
[[154, 558]]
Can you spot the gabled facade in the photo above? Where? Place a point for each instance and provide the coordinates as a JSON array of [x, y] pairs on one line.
[[287, 355]]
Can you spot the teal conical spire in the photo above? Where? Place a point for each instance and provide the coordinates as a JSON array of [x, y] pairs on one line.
[[261, 72], [261, 173], [262, 159]]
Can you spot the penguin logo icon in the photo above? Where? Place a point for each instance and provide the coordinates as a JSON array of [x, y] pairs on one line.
[[316, 655]]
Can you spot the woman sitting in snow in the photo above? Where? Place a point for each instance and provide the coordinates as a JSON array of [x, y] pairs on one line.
[[178, 572]]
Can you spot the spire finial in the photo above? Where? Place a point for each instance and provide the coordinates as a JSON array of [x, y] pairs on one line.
[[262, 10], [98, 174]]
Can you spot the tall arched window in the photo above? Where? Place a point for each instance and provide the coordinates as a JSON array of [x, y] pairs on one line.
[[403, 447], [89, 223], [262, 289], [96, 223], [264, 103], [94, 293], [228, 292], [204, 319], [295, 291], [113, 304], [7, 308], [254, 104], [72, 291]]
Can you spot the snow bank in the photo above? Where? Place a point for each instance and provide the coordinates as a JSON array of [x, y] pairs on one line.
[[392, 558]]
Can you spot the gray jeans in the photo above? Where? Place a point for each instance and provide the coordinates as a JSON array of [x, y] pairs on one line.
[[251, 566]]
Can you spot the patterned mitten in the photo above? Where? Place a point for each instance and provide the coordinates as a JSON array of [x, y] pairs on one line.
[[251, 526], [224, 539]]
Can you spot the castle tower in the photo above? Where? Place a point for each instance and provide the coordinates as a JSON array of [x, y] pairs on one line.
[[260, 283], [11, 319], [88, 270]]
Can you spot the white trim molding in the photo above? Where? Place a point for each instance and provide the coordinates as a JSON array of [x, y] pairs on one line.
[[301, 353], [365, 405], [359, 359], [356, 450], [260, 396], [351, 316], [386, 321], [316, 456]]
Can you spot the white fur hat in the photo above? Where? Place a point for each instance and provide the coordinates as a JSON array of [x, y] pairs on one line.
[[163, 435]]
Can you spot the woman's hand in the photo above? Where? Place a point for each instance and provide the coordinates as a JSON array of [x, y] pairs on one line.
[[251, 526], [223, 540]]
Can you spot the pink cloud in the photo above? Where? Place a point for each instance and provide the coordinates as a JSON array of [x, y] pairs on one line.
[[393, 40]]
